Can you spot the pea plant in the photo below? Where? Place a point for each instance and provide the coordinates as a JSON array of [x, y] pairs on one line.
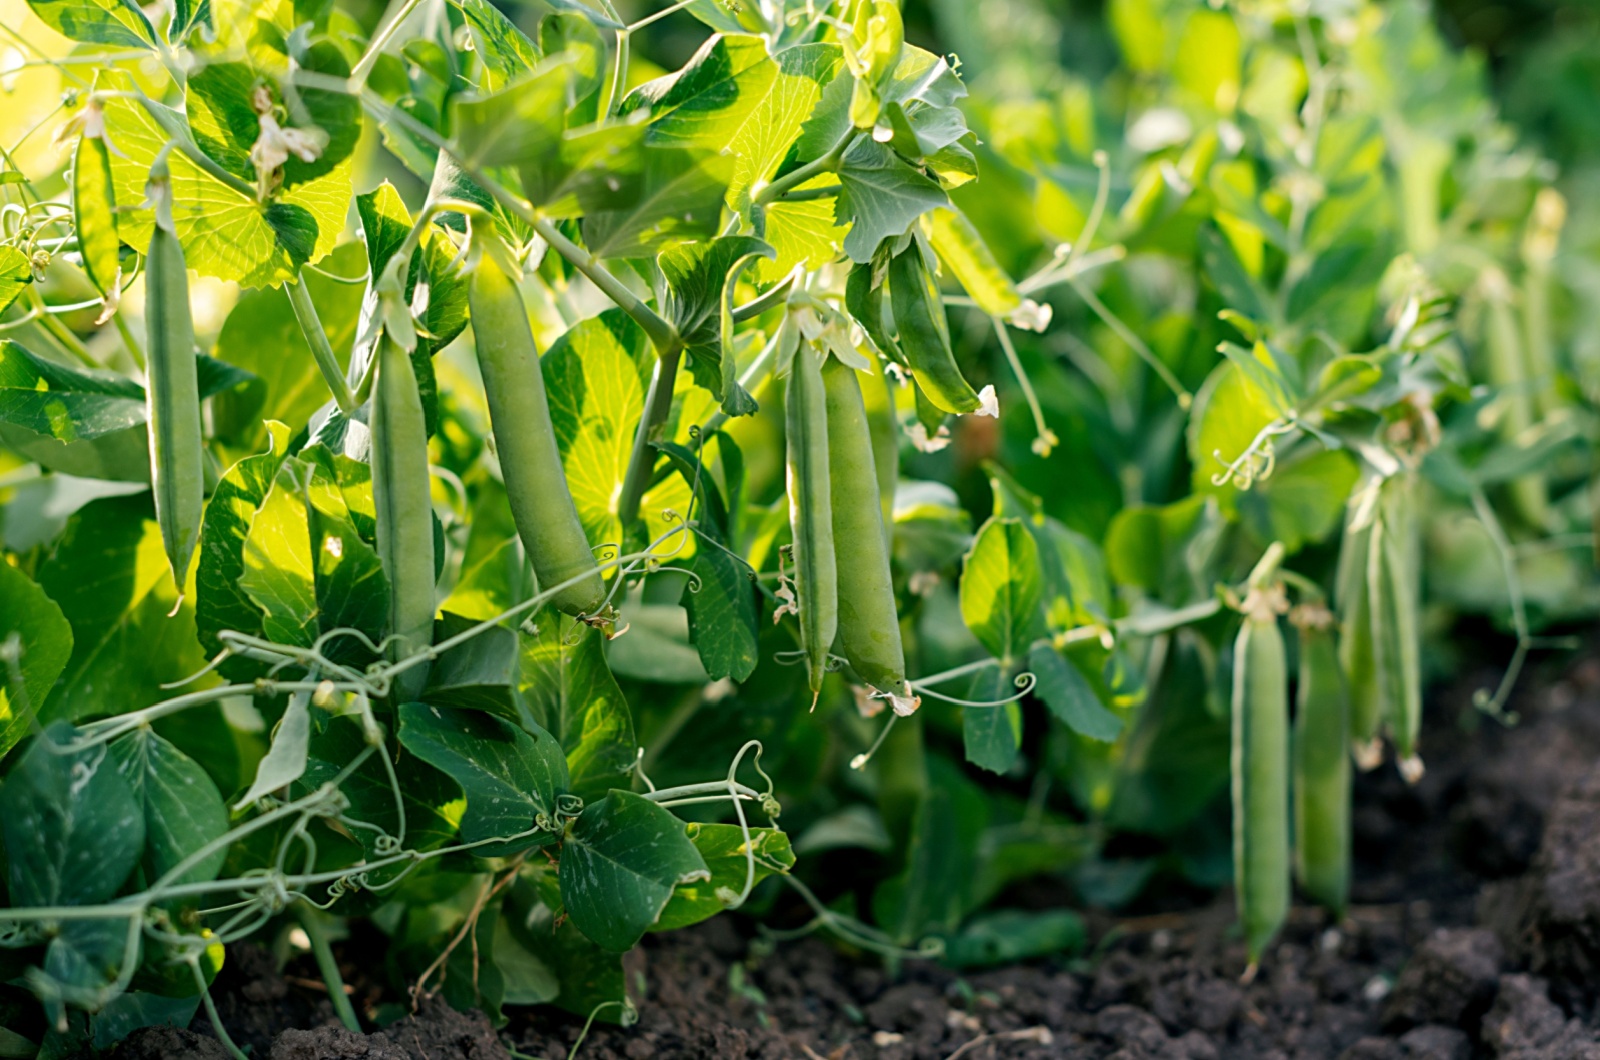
[[462, 475]]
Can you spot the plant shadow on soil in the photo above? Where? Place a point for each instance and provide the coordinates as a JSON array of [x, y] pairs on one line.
[[1474, 932]]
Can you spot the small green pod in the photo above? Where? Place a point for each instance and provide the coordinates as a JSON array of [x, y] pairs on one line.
[[172, 395], [1506, 368], [401, 495], [94, 214], [1356, 657], [1321, 764], [525, 441], [811, 512], [869, 626], [1396, 647], [925, 333], [1260, 768]]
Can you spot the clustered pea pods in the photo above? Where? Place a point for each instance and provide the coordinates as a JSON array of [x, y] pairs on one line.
[[525, 440], [924, 334], [811, 512]]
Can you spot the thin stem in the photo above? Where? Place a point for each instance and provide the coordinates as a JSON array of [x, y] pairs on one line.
[[369, 58], [658, 404], [1125, 333], [768, 300], [662, 334], [618, 73], [329, 967], [129, 340], [305, 312], [828, 163], [65, 338], [1045, 438], [211, 1011]]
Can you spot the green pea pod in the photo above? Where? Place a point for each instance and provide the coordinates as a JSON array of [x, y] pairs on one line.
[[1396, 649], [177, 447], [401, 495], [869, 627], [925, 334], [811, 512], [1507, 371], [864, 301], [525, 441], [94, 214], [1321, 765], [1355, 633], [1260, 766]]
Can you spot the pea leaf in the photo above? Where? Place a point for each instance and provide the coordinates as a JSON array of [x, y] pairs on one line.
[[880, 195], [697, 276], [510, 776], [619, 866], [182, 808], [502, 48], [705, 103], [285, 761], [226, 233], [1069, 697], [73, 831], [108, 575], [518, 123], [932, 893], [589, 979], [1001, 588], [94, 212], [595, 377], [991, 735], [725, 853], [115, 22], [36, 640], [573, 695], [481, 673], [679, 198], [771, 127], [1229, 411], [15, 274]]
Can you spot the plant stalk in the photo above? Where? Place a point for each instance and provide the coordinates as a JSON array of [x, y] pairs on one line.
[[305, 312]]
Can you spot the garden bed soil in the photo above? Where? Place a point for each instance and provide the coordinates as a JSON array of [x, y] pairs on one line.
[[1474, 932]]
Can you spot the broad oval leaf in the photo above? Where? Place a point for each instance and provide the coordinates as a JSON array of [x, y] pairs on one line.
[[619, 866], [1068, 695], [1001, 588], [35, 643], [729, 859], [182, 809]]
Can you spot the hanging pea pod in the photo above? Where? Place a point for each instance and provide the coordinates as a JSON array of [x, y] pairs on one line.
[[869, 626], [401, 496], [1260, 768], [811, 512], [172, 389], [525, 439], [1321, 763], [1507, 370], [94, 214], [1355, 633], [1392, 586], [925, 333]]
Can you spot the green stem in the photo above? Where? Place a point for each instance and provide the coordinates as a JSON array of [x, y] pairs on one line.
[[129, 340], [828, 163], [662, 334], [769, 300], [64, 337], [305, 312], [211, 1011], [328, 967], [369, 58], [658, 403]]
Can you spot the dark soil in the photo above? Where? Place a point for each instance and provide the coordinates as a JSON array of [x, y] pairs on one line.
[[1474, 933]]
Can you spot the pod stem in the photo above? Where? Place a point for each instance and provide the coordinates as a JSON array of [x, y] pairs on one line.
[[658, 403], [329, 967], [662, 334], [305, 312], [1267, 567]]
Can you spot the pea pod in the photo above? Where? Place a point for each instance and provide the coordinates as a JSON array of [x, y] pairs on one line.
[[401, 496], [94, 214], [1355, 632], [1392, 586], [172, 392], [811, 512], [869, 627], [525, 441], [1260, 767], [925, 333], [1507, 371], [1321, 764]]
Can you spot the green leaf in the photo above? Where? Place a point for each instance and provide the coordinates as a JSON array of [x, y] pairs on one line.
[[94, 213], [880, 196], [964, 253], [1001, 588], [226, 233], [115, 22], [481, 673], [510, 776], [1069, 697], [16, 272], [695, 275], [109, 574], [1229, 411], [1238, 288], [1011, 935], [619, 866], [72, 828], [590, 980], [991, 735], [771, 127], [573, 696], [526, 979], [130, 1011], [933, 891], [517, 124], [708, 101], [595, 376], [1303, 501], [285, 760], [35, 643], [728, 859], [502, 48], [182, 809], [221, 601], [1164, 550], [82, 964], [679, 198], [592, 168]]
